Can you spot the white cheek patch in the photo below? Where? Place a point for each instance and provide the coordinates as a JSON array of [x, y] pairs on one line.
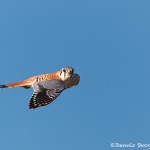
[[63, 75]]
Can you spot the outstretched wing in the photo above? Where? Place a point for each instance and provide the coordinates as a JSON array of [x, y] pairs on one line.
[[43, 98], [45, 92]]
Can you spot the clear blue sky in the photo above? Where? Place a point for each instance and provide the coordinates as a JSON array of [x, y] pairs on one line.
[[108, 44]]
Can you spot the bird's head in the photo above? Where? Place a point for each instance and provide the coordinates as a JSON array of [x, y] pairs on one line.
[[66, 73]]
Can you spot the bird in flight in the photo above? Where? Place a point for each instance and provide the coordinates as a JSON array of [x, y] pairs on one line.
[[47, 87]]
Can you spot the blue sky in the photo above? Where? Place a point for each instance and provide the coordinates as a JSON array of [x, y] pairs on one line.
[[107, 43]]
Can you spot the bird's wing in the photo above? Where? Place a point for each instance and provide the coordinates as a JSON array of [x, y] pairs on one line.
[[45, 92], [43, 98]]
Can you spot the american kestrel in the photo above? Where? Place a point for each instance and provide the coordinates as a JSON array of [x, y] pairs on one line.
[[47, 87]]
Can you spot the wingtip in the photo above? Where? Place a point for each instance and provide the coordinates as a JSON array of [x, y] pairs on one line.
[[31, 106]]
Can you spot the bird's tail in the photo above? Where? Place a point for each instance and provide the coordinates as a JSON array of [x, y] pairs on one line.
[[16, 84]]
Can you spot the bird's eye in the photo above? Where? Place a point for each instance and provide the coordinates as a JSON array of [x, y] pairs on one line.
[[64, 70]]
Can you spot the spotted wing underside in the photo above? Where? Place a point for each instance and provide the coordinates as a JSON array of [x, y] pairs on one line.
[[43, 98], [46, 92]]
